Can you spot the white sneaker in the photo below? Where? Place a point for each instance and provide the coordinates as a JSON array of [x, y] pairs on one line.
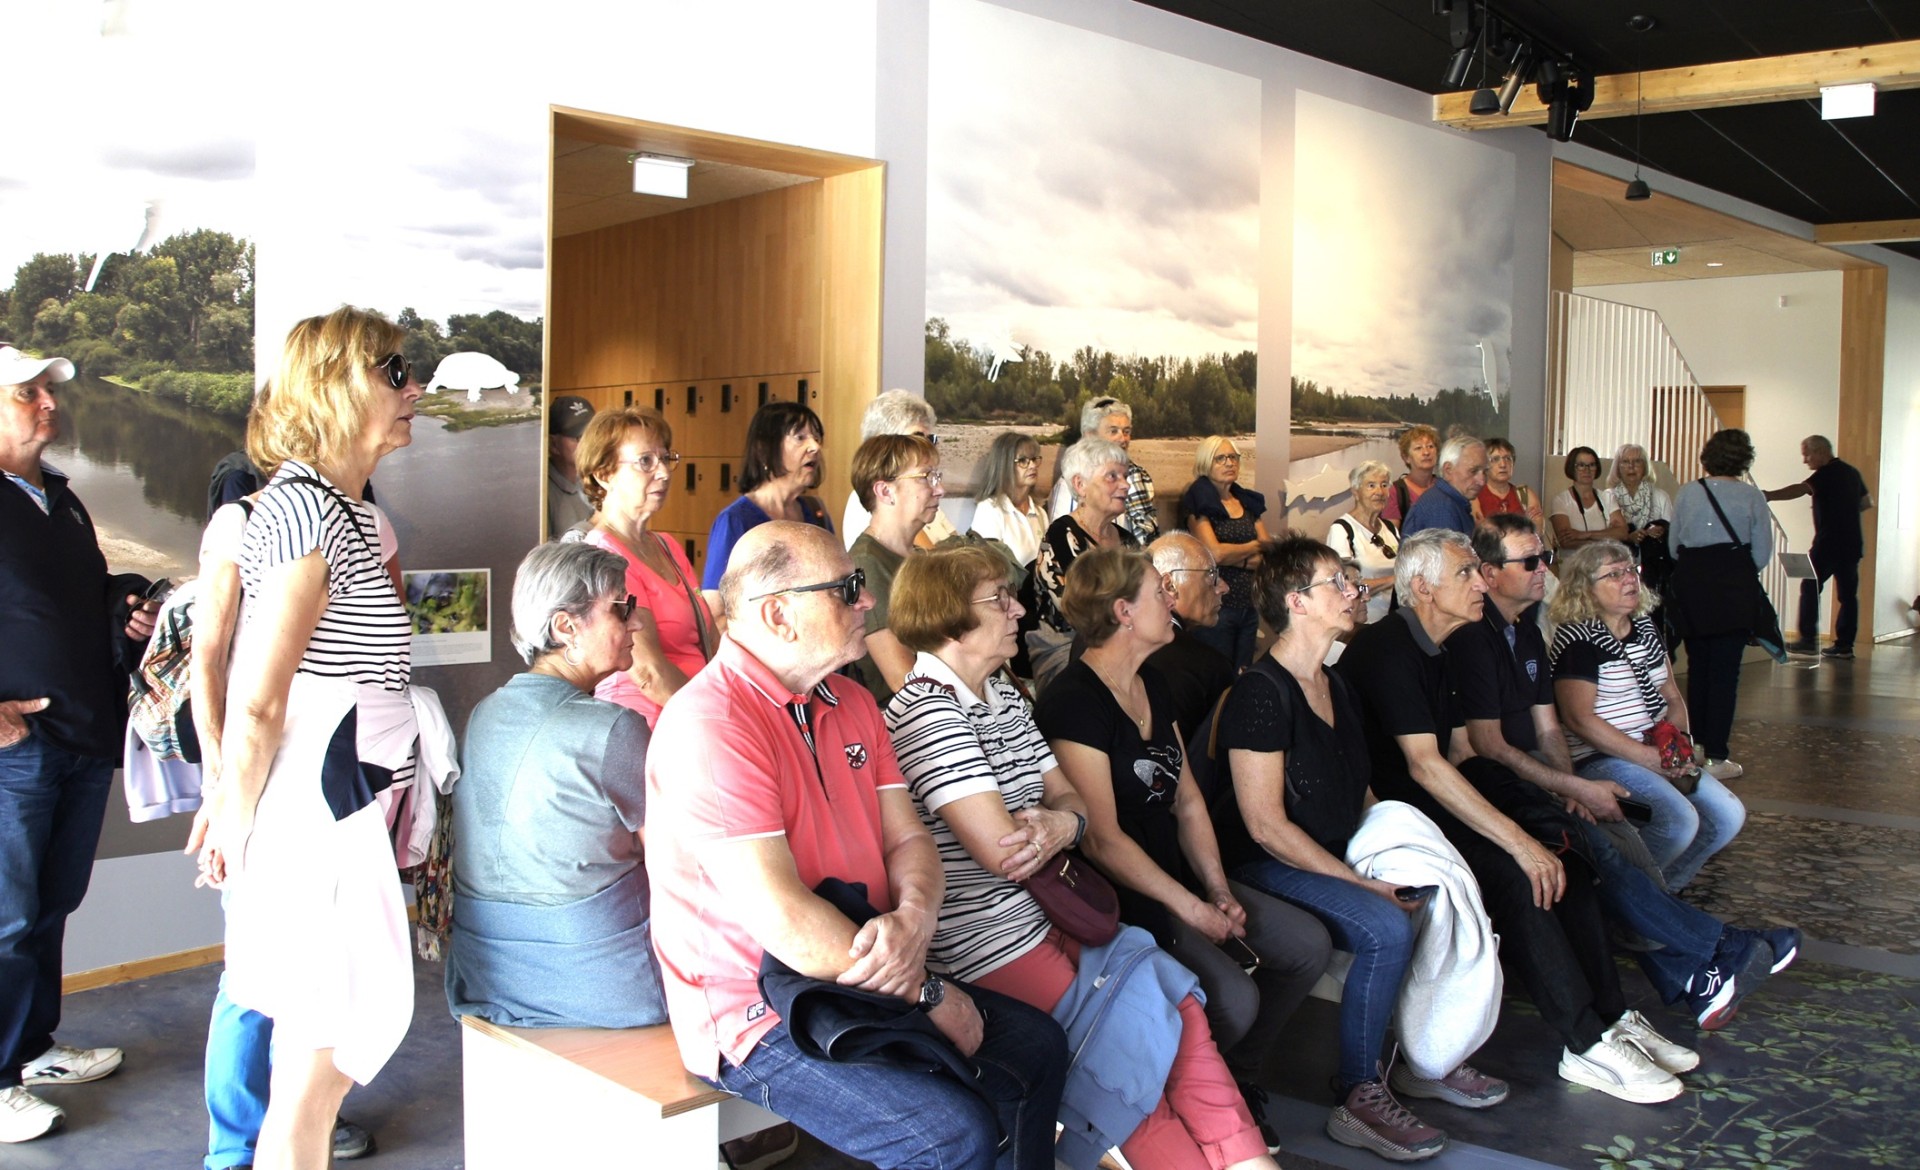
[[24, 1116], [65, 1065], [1724, 770], [1664, 1052], [1619, 1067]]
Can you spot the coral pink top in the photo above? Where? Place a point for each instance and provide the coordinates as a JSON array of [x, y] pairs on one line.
[[673, 617]]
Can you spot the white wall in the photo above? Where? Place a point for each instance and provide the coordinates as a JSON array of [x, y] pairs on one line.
[[1734, 333], [1897, 557]]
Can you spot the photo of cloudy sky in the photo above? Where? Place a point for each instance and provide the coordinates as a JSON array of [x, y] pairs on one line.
[[1083, 190], [1393, 284], [96, 136]]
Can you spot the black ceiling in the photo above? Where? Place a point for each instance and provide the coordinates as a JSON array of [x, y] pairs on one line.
[[1780, 155]]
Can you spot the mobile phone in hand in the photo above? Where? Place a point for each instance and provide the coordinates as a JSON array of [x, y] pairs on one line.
[[1415, 893], [1637, 811]]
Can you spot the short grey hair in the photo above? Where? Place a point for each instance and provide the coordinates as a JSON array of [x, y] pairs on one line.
[[1096, 412], [1820, 443], [895, 412], [1170, 549], [1458, 446], [1088, 456], [1424, 555], [556, 578], [1371, 467]]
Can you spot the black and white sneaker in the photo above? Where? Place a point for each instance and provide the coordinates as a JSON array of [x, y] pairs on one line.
[[64, 1064]]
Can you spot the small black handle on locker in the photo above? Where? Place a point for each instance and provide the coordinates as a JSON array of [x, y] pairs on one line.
[[802, 396], [726, 476], [660, 398], [763, 393], [726, 397], [689, 550], [692, 475], [629, 401], [693, 400]]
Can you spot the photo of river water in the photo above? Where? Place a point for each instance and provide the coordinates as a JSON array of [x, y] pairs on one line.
[[458, 499]]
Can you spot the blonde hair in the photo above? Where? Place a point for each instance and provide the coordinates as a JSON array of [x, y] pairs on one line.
[[1575, 601], [324, 388], [1204, 453]]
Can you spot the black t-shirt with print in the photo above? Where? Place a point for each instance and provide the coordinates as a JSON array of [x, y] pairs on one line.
[[1145, 774]]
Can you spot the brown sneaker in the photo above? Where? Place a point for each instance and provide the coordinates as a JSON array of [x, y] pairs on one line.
[[1372, 1120], [762, 1148]]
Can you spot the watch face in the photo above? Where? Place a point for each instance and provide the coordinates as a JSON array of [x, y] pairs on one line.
[[932, 992]]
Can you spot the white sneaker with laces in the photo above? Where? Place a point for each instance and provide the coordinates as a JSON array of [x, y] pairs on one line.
[[24, 1116], [1672, 1057], [1619, 1067], [64, 1064]]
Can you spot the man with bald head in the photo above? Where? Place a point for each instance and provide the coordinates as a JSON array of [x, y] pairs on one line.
[[766, 775], [1196, 673], [1463, 472]]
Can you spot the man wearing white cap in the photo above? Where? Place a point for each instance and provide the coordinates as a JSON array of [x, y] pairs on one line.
[[72, 632]]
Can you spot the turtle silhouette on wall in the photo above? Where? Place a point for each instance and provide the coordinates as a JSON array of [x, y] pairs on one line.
[[473, 372]]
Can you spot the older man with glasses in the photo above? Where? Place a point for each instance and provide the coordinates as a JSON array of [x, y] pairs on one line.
[[766, 776], [1196, 673]]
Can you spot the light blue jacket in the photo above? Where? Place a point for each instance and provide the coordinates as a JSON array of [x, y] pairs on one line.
[[1122, 1019]]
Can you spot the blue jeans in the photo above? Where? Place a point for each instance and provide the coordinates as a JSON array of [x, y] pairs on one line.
[[1687, 934], [898, 1117], [52, 803], [1686, 829], [1379, 934], [239, 1069], [1233, 635]]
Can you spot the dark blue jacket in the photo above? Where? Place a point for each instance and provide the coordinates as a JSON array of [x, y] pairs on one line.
[[62, 624]]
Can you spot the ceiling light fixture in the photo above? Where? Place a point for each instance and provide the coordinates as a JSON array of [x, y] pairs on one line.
[[659, 174], [1637, 188], [1519, 72], [1847, 101], [1485, 101]]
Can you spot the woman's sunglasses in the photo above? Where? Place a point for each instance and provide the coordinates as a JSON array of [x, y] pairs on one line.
[[624, 609], [397, 369], [1386, 549], [850, 587]]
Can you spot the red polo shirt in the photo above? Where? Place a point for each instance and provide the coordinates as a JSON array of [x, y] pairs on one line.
[[728, 761]]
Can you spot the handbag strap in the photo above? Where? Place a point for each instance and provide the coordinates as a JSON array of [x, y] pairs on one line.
[[1596, 631], [339, 496], [1722, 513], [700, 624]]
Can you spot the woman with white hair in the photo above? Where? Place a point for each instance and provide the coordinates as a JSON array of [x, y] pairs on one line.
[[895, 412], [1365, 535], [1106, 417], [550, 924], [1648, 509], [1096, 472]]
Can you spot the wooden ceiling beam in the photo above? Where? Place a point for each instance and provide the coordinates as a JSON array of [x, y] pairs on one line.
[[1891, 66], [1884, 231]]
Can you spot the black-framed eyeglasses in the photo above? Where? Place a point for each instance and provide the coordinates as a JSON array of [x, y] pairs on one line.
[[397, 368], [624, 609], [850, 587], [1526, 563], [648, 462], [1583, 465], [1002, 597]]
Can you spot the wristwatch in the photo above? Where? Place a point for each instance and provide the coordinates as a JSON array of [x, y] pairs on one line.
[[932, 992]]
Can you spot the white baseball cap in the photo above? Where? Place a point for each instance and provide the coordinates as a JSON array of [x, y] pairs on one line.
[[17, 369]]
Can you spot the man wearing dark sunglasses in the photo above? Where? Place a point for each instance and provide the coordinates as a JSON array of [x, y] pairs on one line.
[[1503, 688], [766, 775]]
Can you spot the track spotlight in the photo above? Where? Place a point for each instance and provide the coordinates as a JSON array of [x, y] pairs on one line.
[[1566, 100], [1519, 72], [1458, 66]]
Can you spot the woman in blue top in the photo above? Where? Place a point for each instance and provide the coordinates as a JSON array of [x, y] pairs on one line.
[[1226, 518], [781, 465]]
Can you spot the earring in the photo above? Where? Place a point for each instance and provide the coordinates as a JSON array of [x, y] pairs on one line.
[[568, 655]]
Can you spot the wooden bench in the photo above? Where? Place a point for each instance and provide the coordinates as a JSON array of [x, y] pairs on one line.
[[591, 1097]]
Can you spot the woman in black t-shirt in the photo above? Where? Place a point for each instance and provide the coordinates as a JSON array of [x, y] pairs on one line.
[[1293, 741], [1109, 720]]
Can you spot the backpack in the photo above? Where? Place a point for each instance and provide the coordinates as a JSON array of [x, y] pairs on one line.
[[159, 697]]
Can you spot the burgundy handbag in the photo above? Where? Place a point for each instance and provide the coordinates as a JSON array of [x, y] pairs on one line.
[[1077, 899]]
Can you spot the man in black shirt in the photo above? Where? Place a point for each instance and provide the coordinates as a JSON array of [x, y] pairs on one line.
[[71, 633], [1541, 899], [1503, 689], [1839, 496], [1196, 673]]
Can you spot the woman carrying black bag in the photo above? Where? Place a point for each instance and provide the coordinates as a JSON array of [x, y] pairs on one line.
[[1722, 536]]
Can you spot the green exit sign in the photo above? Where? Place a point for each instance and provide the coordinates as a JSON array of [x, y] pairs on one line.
[[1665, 256]]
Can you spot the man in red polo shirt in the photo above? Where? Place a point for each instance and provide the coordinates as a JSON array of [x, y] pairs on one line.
[[766, 775]]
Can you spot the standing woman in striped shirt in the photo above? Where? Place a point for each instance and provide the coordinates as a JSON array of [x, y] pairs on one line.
[[319, 729]]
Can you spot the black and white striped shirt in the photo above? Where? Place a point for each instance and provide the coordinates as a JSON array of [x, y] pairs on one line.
[[364, 635], [1588, 651], [951, 744]]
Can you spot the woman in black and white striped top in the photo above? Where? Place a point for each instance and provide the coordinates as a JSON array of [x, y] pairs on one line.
[[318, 725]]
